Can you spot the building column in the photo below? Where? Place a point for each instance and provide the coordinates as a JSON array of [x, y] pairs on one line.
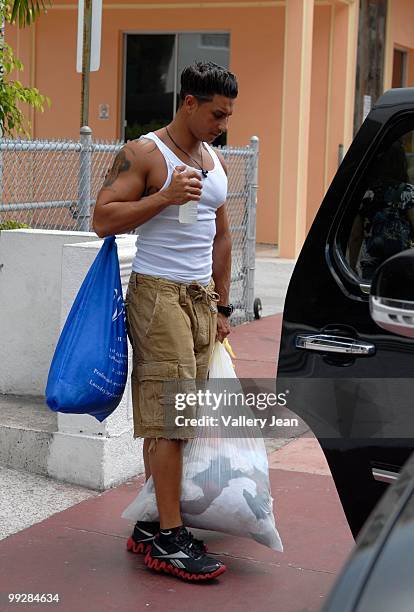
[[295, 126], [341, 93]]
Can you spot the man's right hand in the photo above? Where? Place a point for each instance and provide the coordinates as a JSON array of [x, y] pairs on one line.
[[185, 186]]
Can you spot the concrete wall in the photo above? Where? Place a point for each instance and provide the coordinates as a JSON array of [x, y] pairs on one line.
[[85, 451], [40, 274], [30, 298]]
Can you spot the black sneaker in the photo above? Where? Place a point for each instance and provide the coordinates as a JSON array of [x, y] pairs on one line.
[[142, 537], [177, 555], [144, 533]]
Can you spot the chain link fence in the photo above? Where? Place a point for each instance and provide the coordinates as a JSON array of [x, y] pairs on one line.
[[53, 184]]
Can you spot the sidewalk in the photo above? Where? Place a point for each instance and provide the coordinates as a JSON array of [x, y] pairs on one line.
[[80, 552]]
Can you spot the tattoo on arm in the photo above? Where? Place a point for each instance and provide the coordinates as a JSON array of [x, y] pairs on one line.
[[121, 164]]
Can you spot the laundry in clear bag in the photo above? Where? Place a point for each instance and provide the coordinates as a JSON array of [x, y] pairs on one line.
[[225, 483]]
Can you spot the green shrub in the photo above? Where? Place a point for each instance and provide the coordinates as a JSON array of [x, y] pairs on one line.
[[10, 225]]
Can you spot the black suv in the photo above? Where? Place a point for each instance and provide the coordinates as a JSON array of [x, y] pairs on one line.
[[347, 349]]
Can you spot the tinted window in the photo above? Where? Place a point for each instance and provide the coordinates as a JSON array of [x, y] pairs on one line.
[[382, 223], [149, 83]]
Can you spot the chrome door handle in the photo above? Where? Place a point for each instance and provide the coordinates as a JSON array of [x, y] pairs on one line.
[[334, 344]]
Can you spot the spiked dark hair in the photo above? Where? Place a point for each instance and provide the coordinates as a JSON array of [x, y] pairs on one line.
[[203, 80]]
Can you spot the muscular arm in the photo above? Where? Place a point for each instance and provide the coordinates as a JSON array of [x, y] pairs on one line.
[[222, 263], [222, 256], [222, 249], [121, 204]]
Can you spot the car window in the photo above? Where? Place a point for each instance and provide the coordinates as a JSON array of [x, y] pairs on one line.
[[382, 221]]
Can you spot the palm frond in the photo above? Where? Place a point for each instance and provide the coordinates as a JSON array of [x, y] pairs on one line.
[[26, 11]]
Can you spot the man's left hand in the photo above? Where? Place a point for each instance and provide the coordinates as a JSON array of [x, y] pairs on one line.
[[223, 327]]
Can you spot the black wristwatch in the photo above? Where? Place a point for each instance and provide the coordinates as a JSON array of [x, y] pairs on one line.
[[226, 310]]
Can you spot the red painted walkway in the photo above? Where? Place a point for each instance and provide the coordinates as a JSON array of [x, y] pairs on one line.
[[80, 553]]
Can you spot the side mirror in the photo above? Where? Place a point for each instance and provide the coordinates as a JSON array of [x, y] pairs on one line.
[[392, 294]]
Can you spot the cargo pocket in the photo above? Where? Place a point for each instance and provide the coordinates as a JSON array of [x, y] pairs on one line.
[[153, 394]]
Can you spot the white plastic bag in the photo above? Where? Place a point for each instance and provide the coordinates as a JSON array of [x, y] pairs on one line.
[[225, 485]]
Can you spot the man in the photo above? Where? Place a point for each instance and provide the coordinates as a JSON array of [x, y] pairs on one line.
[[180, 279]]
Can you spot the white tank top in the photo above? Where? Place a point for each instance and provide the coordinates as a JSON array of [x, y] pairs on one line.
[[177, 251]]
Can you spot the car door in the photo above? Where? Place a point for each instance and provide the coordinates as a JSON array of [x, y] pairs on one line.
[[378, 573], [348, 379]]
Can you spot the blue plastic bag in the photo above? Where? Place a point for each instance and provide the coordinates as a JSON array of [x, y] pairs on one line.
[[90, 365]]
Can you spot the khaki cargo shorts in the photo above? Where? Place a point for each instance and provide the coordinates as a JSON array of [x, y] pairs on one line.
[[172, 330]]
